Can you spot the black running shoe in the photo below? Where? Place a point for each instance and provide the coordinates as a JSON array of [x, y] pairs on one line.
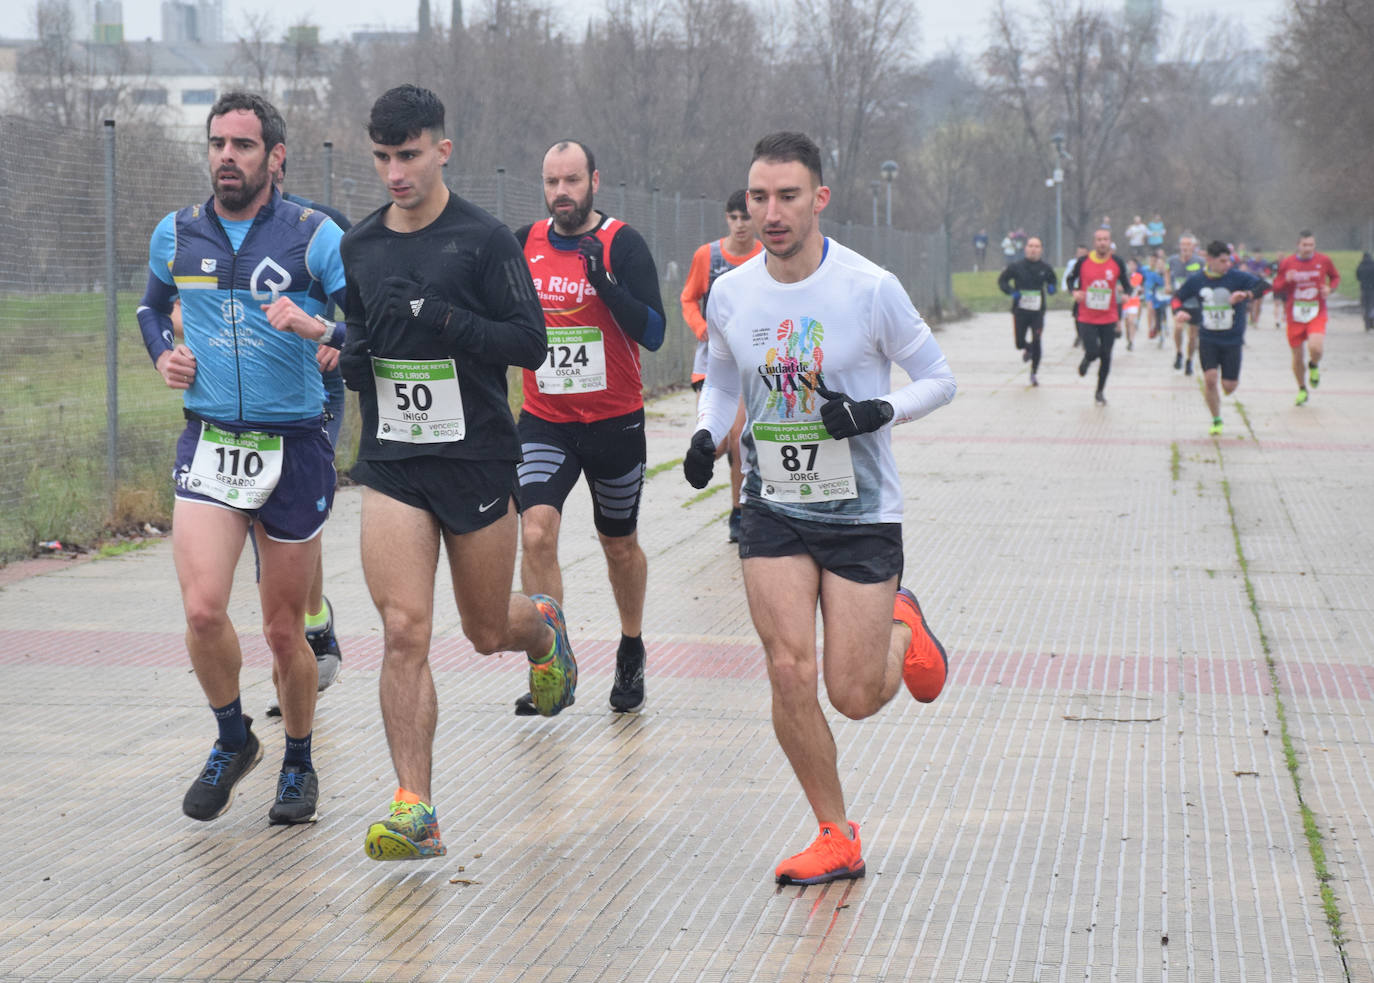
[[298, 792], [210, 795], [1188, 367], [627, 692], [524, 706], [1178, 361], [325, 645], [1101, 399], [1083, 365]]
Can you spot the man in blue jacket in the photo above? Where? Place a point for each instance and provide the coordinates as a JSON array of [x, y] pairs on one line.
[[252, 271]]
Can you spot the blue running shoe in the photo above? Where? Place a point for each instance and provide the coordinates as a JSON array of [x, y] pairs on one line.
[[553, 684], [210, 795], [298, 794]]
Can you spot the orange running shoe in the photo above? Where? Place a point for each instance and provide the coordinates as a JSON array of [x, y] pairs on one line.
[[925, 665], [832, 856]]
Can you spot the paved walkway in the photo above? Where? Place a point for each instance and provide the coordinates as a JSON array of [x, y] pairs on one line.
[[1163, 667]]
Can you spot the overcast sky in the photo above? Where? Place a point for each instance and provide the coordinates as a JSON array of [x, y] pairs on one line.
[[943, 24]]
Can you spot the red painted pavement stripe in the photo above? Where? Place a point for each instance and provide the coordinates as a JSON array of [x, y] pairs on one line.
[[1067, 672]]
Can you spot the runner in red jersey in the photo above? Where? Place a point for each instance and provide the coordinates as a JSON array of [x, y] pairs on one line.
[[584, 406], [1097, 283], [1304, 281]]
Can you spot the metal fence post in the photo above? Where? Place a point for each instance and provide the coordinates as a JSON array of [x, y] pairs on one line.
[[329, 173], [653, 227], [111, 324]]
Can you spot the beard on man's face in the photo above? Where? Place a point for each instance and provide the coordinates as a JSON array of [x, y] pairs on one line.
[[574, 219], [237, 197]]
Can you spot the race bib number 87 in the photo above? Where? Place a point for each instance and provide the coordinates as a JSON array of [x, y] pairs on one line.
[[801, 462]]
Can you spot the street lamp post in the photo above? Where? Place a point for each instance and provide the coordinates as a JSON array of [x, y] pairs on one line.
[[875, 185], [1058, 179], [889, 170]]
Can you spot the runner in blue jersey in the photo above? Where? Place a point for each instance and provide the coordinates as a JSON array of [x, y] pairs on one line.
[[1219, 297], [251, 271], [319, 612]]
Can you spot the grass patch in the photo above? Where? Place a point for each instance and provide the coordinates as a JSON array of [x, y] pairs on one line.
[[1316, 846], [120, 547], [978, 292], [706, 493], [1175, 460], [660, 468], [1346, 260]]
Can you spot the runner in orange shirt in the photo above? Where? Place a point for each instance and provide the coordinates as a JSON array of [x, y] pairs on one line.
[[1130, 307], [1304, 281], [708, 262]]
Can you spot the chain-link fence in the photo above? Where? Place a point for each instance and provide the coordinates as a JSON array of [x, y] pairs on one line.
[[86, 426]]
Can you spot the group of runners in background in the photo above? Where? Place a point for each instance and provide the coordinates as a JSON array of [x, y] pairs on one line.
[[1212, 294]]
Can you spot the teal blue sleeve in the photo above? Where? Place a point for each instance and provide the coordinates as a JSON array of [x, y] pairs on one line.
[[323, 258], [162, 248]]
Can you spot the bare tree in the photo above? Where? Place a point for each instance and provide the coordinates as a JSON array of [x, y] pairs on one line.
[[1324, 57], [256, 53], [855, 54], [1079, 72]]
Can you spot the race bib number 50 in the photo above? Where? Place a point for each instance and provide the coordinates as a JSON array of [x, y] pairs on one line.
[[238, 469], [801, 462], [418, 402]]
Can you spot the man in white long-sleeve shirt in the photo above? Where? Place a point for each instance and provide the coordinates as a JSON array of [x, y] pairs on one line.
[[808, 332]]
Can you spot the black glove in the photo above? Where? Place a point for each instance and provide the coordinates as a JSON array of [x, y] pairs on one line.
[[355, 364], [700, 460], [593, 255], [845, 417], [414, 304]]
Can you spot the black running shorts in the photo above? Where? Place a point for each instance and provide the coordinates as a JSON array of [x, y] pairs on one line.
[[611, 453], [463, 495], [1225, 357], [865, 554]]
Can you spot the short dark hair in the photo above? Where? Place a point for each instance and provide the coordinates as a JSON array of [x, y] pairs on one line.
[[737, 202], [403, 113], [569, 143], [273, 126], [1218, 248], [1306, 234], [788, 145]]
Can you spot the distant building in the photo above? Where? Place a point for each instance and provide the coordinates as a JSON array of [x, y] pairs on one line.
[[177, 83], [201, 21], [108, 26]]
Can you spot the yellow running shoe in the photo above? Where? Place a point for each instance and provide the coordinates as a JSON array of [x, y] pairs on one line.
[[553, 684], [1302, 397], [411, 832]]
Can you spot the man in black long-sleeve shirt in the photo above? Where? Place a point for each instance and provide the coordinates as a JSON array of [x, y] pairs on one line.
[[1028, 280], [439, 303]]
